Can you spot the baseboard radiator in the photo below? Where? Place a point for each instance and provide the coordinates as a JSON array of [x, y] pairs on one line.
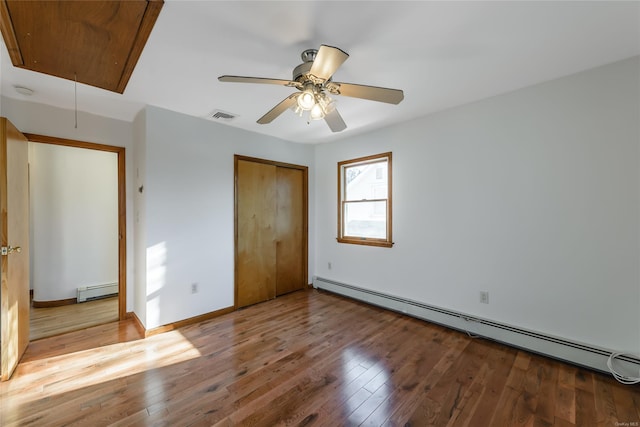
[[557, 348], [90, 293]]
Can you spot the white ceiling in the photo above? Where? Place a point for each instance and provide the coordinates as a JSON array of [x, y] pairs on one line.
[[442, 54]]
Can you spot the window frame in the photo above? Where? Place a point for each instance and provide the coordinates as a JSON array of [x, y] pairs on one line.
[[342, 203]]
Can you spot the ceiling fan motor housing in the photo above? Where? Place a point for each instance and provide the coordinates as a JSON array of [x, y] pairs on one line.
[[302, 75], [301, 71]]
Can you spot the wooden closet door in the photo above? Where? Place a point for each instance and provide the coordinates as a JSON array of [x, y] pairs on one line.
[[256, 232], [290, 230]]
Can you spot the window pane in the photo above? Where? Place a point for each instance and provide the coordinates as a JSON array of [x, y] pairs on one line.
[[366, 182], [366, 219], [364, 198]]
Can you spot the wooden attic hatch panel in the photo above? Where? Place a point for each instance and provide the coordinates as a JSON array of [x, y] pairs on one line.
[[97, 41]]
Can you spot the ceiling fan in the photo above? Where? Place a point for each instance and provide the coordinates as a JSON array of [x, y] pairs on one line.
[[313, 80]]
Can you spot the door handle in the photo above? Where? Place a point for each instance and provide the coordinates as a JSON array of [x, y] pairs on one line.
[[9, 250]]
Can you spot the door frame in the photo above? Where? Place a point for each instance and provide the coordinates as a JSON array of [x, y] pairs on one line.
[[305, 215], [122, 205]]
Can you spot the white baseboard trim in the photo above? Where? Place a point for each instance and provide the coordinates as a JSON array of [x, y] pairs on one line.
[[558, 348]]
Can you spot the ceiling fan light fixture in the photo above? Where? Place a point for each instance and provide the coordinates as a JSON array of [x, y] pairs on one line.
[[297, 110], [306, 100], [317, 112], [328, 105]]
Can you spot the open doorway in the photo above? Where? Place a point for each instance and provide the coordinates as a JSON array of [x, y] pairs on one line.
[[79, 246]]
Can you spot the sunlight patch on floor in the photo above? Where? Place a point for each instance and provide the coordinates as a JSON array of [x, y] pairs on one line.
[[95, 366]]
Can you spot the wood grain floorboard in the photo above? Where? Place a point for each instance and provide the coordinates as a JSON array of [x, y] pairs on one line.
[[51, 321], [304, 359]]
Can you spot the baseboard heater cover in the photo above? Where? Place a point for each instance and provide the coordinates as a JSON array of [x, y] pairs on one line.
[[90, 293], [536, 342]]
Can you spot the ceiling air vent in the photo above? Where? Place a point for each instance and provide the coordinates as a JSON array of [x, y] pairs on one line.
[[222, 116]]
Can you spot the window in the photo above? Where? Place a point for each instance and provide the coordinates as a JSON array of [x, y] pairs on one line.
[[364, 201]]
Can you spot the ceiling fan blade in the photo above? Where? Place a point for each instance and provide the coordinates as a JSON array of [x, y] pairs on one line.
[[374, 93], [278, 109], [262, 80], [328, 60], [335, 122]]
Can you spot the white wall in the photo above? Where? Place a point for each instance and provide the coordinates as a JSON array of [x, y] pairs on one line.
[[533, 196], [139, 216], [47, 120], [74, 217], [188, 193]]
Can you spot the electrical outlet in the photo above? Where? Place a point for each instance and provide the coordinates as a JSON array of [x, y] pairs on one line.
[[194, 288], [484, 297], [329, 265]]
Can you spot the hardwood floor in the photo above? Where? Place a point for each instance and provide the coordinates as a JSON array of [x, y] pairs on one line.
[[47, 322], [307, 358]]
